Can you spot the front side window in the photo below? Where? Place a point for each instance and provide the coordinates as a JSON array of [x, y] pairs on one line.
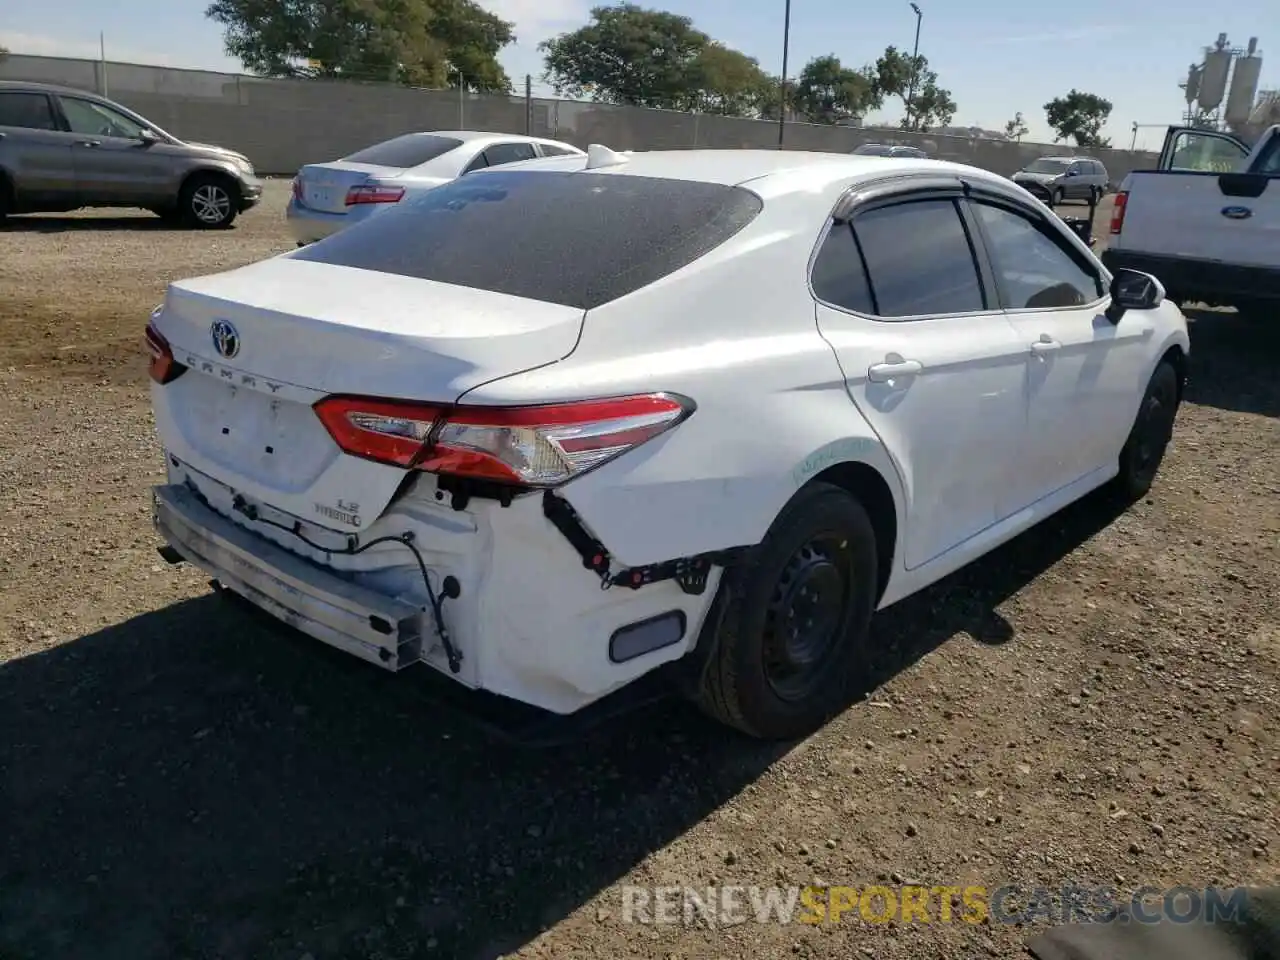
[[98, 120], [30, 111], [1034, 269], [919, 259], [1205, 153]]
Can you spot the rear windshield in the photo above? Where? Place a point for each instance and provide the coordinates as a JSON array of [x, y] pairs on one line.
[[407, 151], [576, 238]]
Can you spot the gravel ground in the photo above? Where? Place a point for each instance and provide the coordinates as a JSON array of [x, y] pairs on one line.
[[1094, 703]]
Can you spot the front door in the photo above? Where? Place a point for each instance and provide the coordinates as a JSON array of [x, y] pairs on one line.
[[114, 166], [1083, 373], [931, 365]]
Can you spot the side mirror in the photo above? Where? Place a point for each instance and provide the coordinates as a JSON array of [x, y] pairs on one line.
[[1132, 290], [148, 137], [1073, 173]]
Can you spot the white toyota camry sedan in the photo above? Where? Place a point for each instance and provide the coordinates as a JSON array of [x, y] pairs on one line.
[[546, 431]]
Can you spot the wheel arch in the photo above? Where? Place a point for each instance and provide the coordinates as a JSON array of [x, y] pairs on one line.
[[869, 486], [1176, 357]]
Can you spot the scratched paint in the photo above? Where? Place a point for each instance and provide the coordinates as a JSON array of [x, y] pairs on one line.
[[849, 448]]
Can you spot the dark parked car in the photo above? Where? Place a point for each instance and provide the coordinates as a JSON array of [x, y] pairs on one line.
[[61, 149], [889, 150], [1055, 179]]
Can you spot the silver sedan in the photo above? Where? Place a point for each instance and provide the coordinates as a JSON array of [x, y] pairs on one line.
[[330, 196]]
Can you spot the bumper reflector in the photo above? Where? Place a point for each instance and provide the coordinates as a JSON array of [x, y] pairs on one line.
[[645, 636]]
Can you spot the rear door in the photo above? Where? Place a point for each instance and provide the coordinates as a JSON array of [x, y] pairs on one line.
[[929, 359], [1200, 207], [113, 164], [35, 151]]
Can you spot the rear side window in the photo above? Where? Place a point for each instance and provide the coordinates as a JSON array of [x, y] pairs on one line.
[[919, 259], [551, 150], [29, 110], [500, 153], [408, 151], [839, 276], [574, 238]]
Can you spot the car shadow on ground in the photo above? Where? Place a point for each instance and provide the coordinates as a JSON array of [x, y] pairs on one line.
[[189, 783], [47, 223], [1233, 362]]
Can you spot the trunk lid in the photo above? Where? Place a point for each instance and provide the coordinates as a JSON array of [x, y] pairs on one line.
[[292, 332], [324, 186]]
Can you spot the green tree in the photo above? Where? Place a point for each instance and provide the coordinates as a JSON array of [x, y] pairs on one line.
[[1016, 128], [630, 54], [1079, 116], [931, 106], [731, 83], [925, 104], [827, 91], [419, 42]]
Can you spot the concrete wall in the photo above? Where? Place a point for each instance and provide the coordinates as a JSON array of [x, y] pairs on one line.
[[282, 124]]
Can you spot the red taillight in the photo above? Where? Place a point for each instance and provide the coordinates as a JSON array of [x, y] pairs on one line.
[[297, 189], [373, 193], [163, 368], [1117, 212], [537, 446]]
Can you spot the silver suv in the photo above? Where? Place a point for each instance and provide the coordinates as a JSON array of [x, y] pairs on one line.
[[61, 149], [1055, 179]]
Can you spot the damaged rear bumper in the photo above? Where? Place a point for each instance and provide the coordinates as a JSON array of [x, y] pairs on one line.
[[382, 630]]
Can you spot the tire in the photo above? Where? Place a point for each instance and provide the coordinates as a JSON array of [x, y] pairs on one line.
[[6, 198], [823, 541], [1150, 435], [208, 201], [1055, 198]]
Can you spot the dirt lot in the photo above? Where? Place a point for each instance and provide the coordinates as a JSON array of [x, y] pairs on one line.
[[1094, 703]]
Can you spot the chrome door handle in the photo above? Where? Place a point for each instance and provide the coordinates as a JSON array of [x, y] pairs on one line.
[[89, 143], [885, 372], [1041, 347]]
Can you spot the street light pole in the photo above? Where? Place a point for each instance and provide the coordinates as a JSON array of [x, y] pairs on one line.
[[915, 69], [782, 84]]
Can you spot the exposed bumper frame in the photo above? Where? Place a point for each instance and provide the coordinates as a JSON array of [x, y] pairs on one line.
[[379, 629]]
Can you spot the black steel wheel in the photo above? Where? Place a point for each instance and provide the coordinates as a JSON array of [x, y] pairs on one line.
[[1152, 430], [805, 616], [788, 643]]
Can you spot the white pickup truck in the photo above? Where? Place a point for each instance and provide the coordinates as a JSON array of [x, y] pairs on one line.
[[1206, 222]]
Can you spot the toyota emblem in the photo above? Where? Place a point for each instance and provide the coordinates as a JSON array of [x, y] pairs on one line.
[[226, 339]]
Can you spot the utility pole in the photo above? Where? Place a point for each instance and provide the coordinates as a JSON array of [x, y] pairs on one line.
[[102, 55], [782, 85], [528, 105], [915, 68]]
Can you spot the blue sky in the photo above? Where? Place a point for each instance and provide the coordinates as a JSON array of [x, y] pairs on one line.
[[997, 57]]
